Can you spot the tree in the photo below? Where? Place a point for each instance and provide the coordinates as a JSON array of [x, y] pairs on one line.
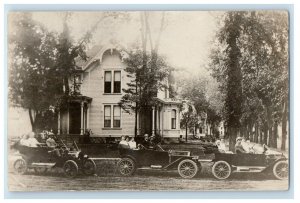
[[253, 47], [149, 72], [32, 55], [42, 63], [144, 83], [189, 118], [202, 96]]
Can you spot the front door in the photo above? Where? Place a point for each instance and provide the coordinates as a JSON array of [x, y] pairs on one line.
[[74, 118]]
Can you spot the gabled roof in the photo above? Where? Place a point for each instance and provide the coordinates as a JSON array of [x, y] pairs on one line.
[[91, 53], [96, 52]]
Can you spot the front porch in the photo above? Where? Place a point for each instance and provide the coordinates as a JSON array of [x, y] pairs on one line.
[[73, 115], [166, 118]]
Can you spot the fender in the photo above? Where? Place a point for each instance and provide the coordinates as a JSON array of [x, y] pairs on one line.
[[130, 157], [274, 162], [176, 162]]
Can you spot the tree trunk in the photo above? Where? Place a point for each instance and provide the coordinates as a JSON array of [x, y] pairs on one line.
[[232, 137], [284, 126], [275, 135], [270, 135], [186, 131], [135, 122], [266, 134], [32, 119], [256, 133], [251, 136], [260, 135]]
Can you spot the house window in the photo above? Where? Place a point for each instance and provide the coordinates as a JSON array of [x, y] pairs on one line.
[[112, 116], [107, 82], [107, 116], [112, 82], [117, 117], [173, 119], [117, 82]]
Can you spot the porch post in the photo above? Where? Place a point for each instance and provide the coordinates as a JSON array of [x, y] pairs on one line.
[[58, 122], [153, 120], [81, 123]]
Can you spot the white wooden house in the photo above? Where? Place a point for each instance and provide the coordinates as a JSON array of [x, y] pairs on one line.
[[102, 79]]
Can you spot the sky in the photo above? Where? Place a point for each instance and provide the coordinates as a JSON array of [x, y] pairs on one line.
[[185, 41]]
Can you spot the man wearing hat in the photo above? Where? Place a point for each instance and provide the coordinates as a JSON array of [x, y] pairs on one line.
[[238, 146]]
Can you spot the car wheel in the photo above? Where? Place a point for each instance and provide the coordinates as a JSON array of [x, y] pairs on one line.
[[20, 166], [89, 167], [70, 169], [281, 170], [187, 168], [126, 167], [221, 170], [40, 170]]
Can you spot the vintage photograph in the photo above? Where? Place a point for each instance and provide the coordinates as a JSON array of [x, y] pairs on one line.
[[148, 100]]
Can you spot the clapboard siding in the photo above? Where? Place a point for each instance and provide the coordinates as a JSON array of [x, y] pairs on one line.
[[93, 86]]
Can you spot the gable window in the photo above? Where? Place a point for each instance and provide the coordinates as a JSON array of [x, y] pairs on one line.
[[173, 119], [117, 82], [117, 116], [107, 82]]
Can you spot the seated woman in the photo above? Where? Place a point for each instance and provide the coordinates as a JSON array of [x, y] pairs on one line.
[[32, 141], [123, 144]]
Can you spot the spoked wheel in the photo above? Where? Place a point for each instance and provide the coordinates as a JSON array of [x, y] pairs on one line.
[[281, 170], [187, 168], [70, 169], [20, 166], [221, 170], [126, 167], [40, 170], [89, 167]]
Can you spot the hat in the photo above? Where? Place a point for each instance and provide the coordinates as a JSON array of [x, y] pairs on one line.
[[146, 135], [238, 138]]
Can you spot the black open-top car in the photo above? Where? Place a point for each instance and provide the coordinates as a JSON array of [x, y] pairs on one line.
[[158, 159], [42, 158], [268, 161]]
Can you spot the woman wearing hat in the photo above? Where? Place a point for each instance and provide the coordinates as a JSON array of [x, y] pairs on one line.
[[238, 146]]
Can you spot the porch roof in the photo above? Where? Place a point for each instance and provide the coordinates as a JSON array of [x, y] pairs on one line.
[[169, 101], [79, 99]]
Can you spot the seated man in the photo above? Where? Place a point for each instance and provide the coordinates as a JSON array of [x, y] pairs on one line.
[[239, 147], [52, 144], [146, 142]]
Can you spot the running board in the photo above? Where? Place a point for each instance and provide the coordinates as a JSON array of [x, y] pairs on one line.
[[152, 168], [44, 165], [251, 169]]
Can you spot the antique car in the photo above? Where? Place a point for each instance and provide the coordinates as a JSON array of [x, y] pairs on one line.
[[158, 159], [42, 158], [268, 161]]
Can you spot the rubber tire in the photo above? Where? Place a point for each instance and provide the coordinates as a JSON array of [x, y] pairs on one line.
[[194, 164], [130, 161], [275, 167], [214, 168], [93, 165], [25, 166], [75, 167]]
